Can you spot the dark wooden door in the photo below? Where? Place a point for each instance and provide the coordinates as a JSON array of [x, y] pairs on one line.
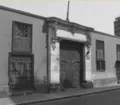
[[20, 72], [70, 64]]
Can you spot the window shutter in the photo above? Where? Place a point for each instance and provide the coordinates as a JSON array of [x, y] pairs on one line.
[[100, 63], [25, 43], [17, 44], [22, 33], [118, 54]]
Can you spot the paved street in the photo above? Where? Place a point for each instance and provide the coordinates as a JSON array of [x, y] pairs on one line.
[[103, 98], [93, 96]]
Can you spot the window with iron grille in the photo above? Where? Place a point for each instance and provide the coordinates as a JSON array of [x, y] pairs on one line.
[[100, 57], [118, 52], [22, 37], [117, 65]]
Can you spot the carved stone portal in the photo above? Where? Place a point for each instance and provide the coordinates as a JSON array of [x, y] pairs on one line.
[[65, 64]]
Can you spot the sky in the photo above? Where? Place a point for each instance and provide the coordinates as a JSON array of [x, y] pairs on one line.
[[99, 15]]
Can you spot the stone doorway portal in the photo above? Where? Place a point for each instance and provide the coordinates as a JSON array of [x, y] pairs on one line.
[[71, 64]]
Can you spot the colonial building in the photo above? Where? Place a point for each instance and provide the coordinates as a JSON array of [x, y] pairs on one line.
[[70, 45], [37, 53], [81, 54]]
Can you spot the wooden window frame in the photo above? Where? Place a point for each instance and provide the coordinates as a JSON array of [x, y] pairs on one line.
[[100, 63], [13, 36]]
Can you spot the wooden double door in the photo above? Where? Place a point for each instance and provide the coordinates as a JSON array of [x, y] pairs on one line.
[[71, 64]]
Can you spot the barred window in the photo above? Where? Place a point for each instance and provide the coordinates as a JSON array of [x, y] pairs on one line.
[[117, 64], [118, 52], [22, 37], [100, 57]]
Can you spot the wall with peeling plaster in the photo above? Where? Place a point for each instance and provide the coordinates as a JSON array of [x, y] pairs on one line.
[[65, 33]]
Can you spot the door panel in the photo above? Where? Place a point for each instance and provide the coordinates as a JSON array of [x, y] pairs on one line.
[[75, 66], [76, 76], [64, 75], [70, 64], [20, 72]]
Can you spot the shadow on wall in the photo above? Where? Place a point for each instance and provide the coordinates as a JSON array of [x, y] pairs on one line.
[[45, 27], [40, 80], [40, 72], [41, 85], [38, 77]]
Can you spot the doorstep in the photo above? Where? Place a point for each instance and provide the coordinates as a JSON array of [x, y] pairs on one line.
[[43, 97]]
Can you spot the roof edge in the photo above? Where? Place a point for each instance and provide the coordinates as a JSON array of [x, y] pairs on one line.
[[106, 34], [22, 12]]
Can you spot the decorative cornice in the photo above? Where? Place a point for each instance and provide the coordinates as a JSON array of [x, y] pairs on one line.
[[53, 25], [64, 22], [88, 37]]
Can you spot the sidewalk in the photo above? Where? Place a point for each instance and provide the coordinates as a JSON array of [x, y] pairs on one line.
[[41, 97]]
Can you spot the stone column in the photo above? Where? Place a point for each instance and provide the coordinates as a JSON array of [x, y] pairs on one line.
[[88, 52], [88, 71], [54, 70]]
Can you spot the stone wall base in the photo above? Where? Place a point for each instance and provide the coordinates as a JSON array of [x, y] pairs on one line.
[[105, 82], [42, 88], [39, 88], [54, 88], [4, 91], [87, 84]]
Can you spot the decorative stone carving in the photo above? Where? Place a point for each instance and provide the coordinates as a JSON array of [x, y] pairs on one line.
[[88, 44], [88, 37], [73, 30], [54, 38]]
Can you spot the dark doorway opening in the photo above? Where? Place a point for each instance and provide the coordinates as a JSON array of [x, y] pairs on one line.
[[71, 64]]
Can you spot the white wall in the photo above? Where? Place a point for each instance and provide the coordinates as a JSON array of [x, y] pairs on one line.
[[110, 56], [55, 64], [39, 44]]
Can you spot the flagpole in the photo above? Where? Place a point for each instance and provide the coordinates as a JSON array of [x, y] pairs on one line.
[[67, 18]]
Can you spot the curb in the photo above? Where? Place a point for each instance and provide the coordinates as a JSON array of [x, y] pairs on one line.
[[66, 97]]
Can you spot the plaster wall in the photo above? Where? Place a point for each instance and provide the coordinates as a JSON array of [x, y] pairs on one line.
[[110, 57], [38, 46]]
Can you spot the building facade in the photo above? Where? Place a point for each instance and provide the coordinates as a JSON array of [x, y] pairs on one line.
[[39, 53], [104, 59], [70, 53]]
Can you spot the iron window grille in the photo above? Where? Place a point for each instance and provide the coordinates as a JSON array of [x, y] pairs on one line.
[[21, 72], [117, 63], [100, 57]]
